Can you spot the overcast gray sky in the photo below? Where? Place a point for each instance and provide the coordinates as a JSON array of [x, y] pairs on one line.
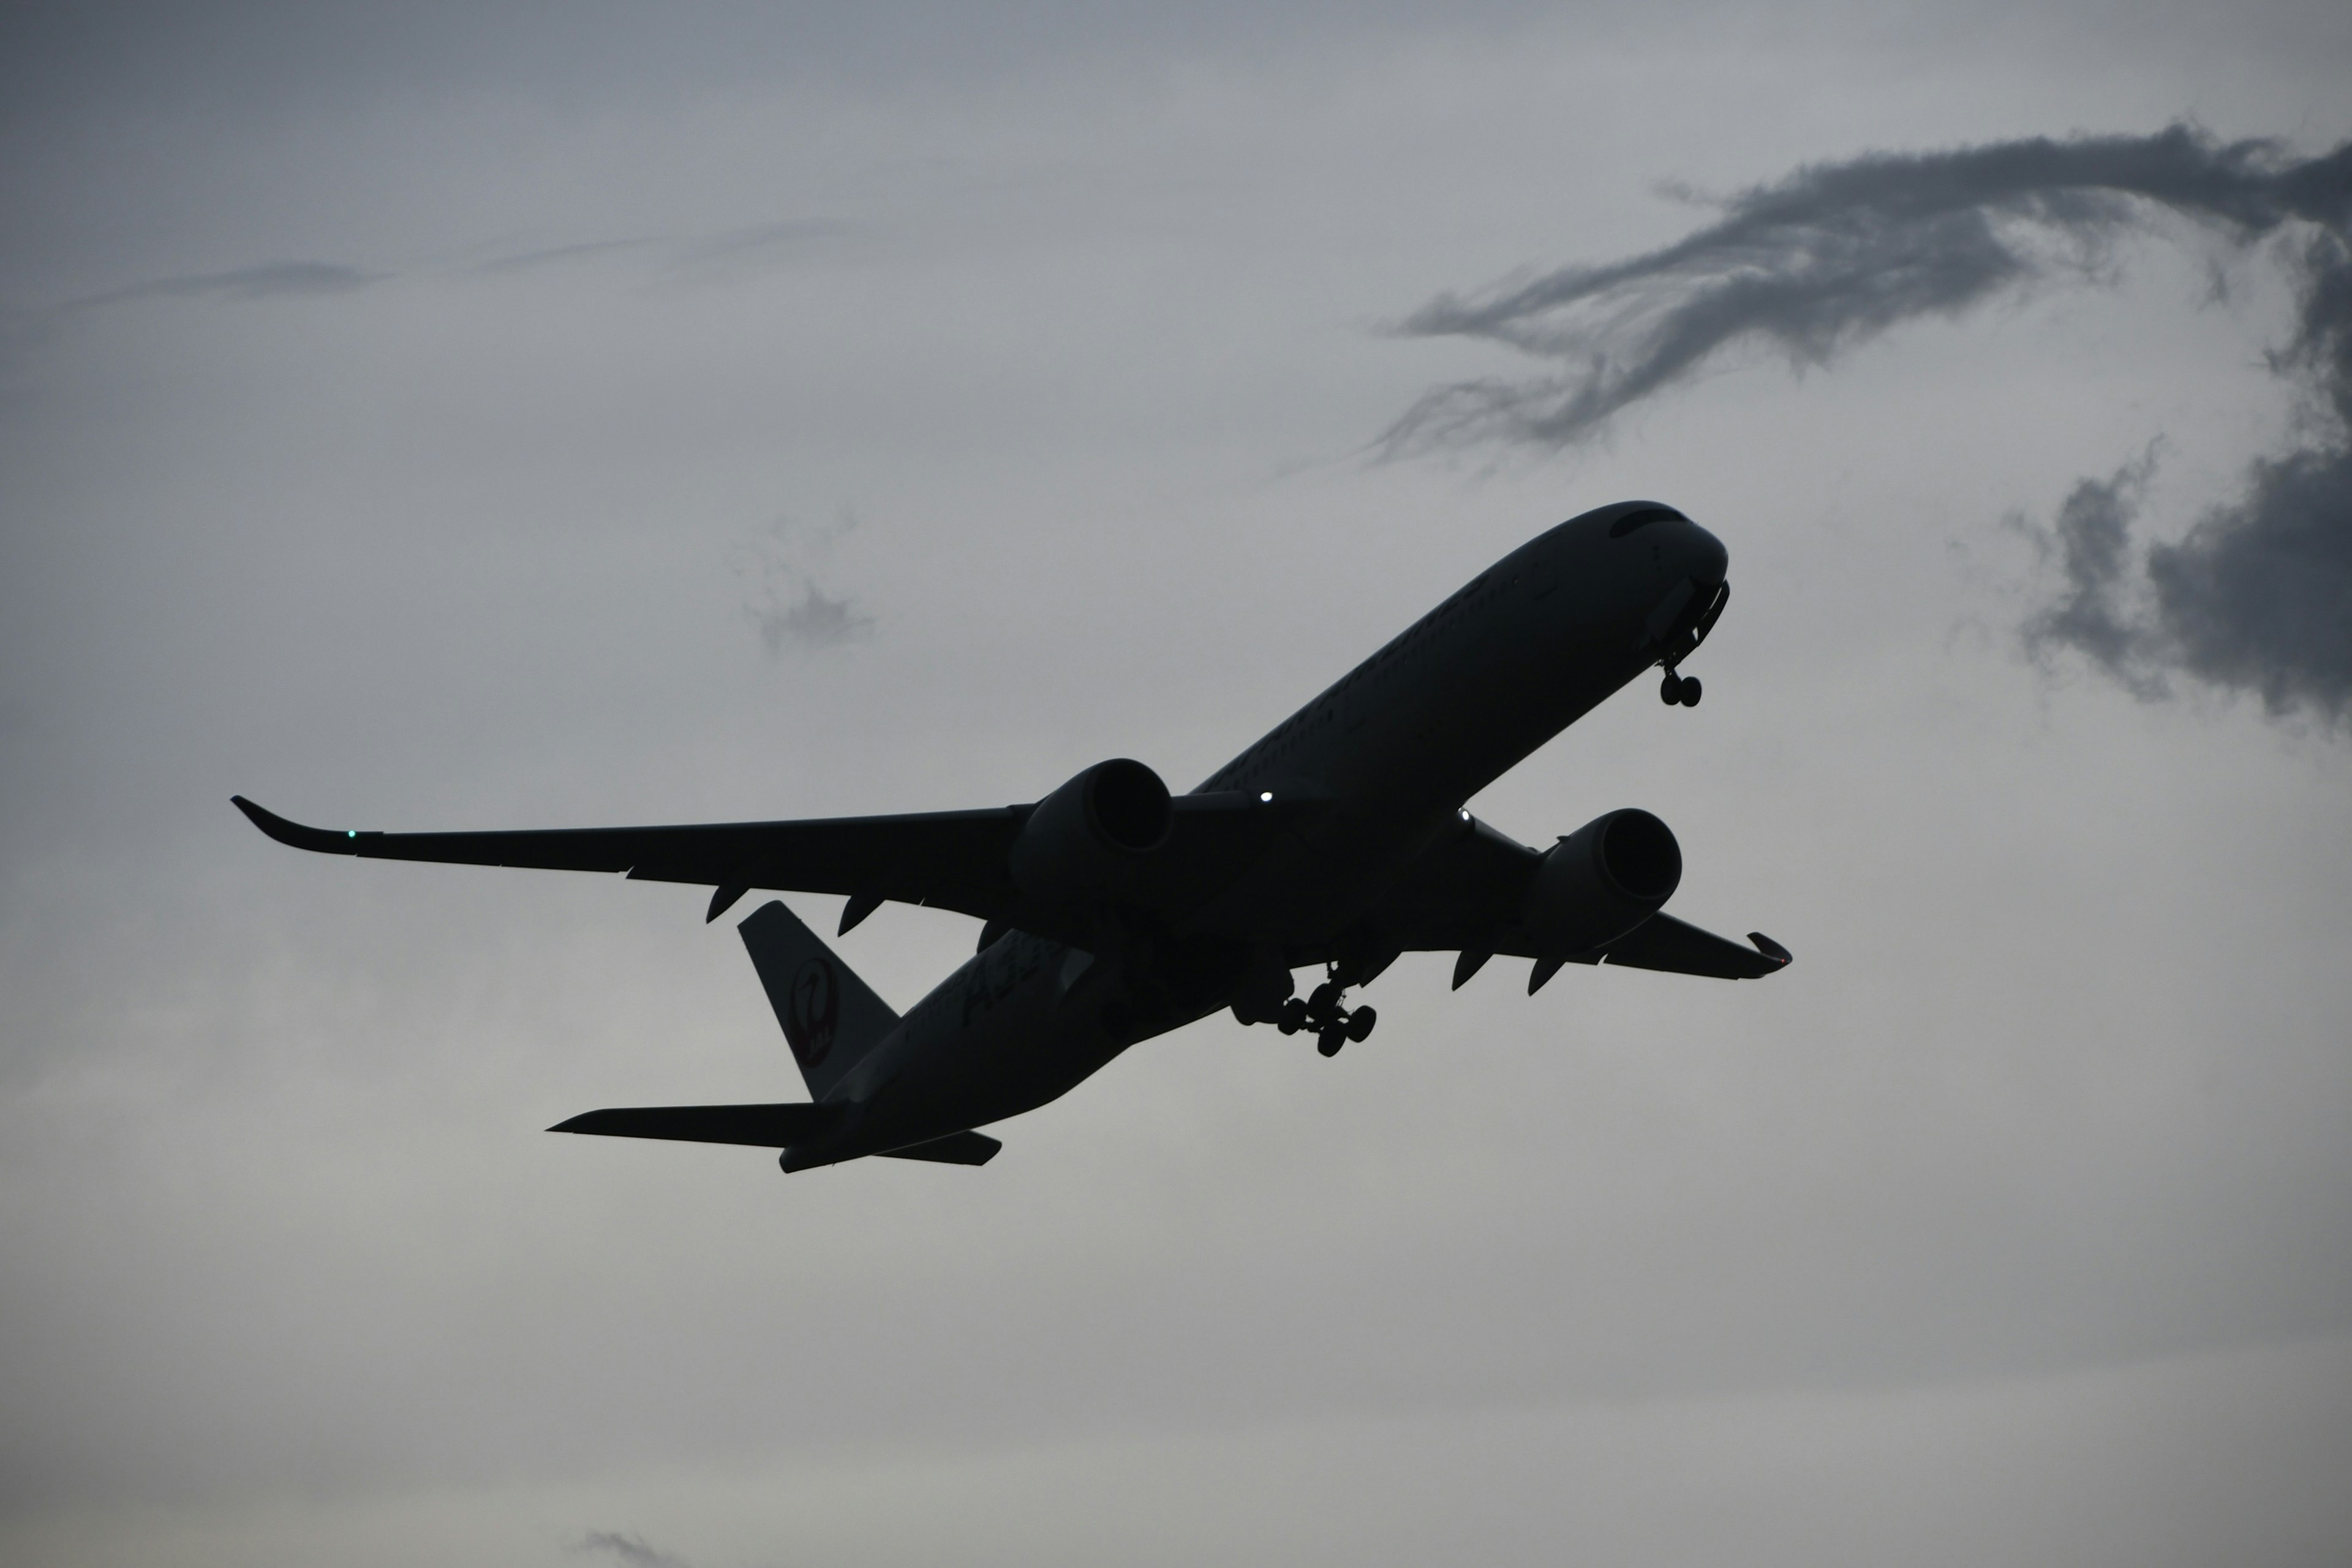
[[456, 417]]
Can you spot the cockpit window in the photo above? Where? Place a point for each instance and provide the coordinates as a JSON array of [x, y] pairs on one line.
[[1641, 515]]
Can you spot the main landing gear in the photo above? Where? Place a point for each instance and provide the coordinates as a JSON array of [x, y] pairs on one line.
[[1334, 1026], [1679, 689]]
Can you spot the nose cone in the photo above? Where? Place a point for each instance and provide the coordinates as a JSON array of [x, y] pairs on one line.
[[1668, 544], [1699, 554]]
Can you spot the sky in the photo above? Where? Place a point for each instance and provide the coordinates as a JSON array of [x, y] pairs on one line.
[[481, 417]]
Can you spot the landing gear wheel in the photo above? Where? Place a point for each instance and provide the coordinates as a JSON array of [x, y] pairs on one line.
[[1293, 1016], [1361, 1022], [1331, 1039], [1690, 691], [1670, 690]]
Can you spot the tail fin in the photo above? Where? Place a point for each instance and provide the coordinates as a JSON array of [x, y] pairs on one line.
[[830, 1017]]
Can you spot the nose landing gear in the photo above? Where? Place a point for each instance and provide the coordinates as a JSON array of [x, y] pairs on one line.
[[1679, 689], [1334, 1026]]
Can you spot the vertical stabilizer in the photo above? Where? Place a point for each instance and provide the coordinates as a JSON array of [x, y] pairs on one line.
[[831, 1018]]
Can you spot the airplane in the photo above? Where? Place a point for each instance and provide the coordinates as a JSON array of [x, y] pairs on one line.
[[1113, 910]]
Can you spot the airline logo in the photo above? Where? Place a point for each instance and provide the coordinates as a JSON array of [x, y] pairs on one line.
[[814, 1011]]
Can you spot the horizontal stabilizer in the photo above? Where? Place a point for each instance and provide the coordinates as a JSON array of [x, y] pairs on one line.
[[955, 1149], [762, 1126]]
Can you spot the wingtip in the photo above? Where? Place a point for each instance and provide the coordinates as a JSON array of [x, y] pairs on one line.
[[1770, 949], [294, 833]]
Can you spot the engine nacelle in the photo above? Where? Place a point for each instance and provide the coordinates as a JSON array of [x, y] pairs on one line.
[[1086, 838], [1600, 882]]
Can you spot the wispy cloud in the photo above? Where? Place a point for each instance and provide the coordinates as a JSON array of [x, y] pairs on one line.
[[2257, 597], [556, 255], [632, 1550], [787, 604], [748, 248], [24, 329], [756, 238], [683, 258], [271, 281]]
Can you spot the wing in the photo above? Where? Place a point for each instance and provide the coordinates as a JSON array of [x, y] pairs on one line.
[[948, 859], [951, 858], [1463, 894], [1665, 943]]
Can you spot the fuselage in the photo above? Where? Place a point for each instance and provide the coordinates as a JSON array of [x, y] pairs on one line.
[[1395, 747]]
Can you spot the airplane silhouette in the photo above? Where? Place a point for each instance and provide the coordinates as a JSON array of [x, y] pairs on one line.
[[1114, 911]]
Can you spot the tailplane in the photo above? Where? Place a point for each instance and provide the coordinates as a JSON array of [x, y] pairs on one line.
[[955, 1149], [831, 1018], [762, 1126]]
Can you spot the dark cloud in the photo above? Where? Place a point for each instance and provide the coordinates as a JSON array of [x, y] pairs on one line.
[[2090, 543], [631, 1550], [1835, 255], [2258, 596]]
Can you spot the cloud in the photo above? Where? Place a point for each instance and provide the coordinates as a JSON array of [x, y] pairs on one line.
[[2257, 597], [525, 261], [271, 281], [787, 604], [1838, 253], [736, 248], [22, 328], [675, 257], [758, 238], [631, 1550], [812, 621], [2091, 543]]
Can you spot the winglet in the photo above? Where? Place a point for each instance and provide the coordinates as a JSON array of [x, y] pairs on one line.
[[1770, 949], [320, 839]]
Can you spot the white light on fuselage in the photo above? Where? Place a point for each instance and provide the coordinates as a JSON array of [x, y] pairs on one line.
[[1265, 794]]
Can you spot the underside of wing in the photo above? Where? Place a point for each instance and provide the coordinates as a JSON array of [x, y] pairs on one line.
[[953, 860], [1665, 943], [958, 860], [1465, 893]]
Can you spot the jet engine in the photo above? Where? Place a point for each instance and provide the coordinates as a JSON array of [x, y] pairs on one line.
[[1086, 838], [1600, 882]]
